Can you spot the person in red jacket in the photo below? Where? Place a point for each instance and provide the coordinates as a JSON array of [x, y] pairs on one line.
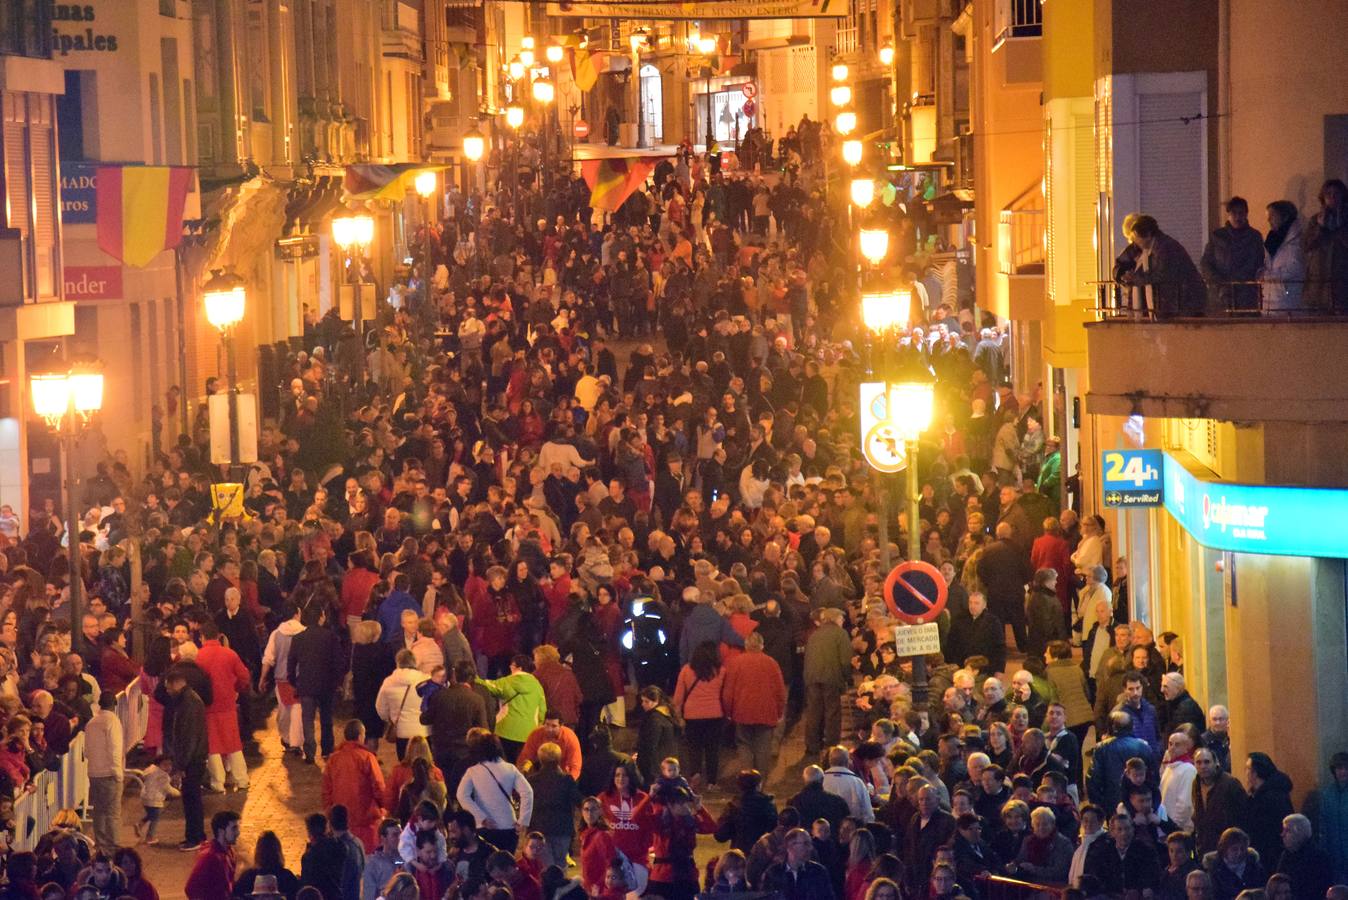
[[228, 676], [352, 778], [597, 847], [674, 826], [753, 695], [212, 876], [559, 684], [356, 586], [557, 589], [1051, 551]]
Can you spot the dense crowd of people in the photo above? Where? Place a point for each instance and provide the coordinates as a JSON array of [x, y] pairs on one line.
[[568, 592]]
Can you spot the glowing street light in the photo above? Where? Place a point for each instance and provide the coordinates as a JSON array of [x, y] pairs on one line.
[[514, 116], [225, 297], [425, 184], [554, 53], [840, 95], [884, 311], [474, 144], [863, 192], [840, 72], [851, 151], [874, 244], [544, 92], [887, 55], [846, 122], [517, 68]]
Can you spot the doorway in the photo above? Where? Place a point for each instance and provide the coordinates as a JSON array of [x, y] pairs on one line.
[[652, 104]]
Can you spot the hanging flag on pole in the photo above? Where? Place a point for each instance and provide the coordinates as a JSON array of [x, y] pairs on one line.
[[140, 210], [612, 181], [588, 65], [376, 182]]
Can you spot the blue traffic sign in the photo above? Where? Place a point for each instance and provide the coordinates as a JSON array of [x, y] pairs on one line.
[[1130, 478]]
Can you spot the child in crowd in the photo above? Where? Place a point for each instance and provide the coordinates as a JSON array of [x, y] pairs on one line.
[[156, 786]]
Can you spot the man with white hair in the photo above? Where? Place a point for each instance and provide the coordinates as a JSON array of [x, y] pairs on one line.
[[1218, 736], [839, 779], [1302, 861], [1179, 707]]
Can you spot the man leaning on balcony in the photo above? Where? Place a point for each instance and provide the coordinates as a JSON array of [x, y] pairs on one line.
[[1170, 281]]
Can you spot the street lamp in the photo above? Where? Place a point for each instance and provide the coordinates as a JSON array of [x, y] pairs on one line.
[[863, 192], [707, 45], [66, 399], [874, 244], [846, 122], [554, 53], [851, 151], [883, 311], [517, 68], [425, 184], [527, 51], [887, 55], [474, 144], [514, 115], [840, 72], [544, 92], [354, 233], [226, 296], [840, 95]]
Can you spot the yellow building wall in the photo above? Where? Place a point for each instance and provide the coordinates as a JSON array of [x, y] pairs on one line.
[[1282, 86]]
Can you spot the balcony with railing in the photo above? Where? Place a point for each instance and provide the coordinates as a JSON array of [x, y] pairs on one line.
[[1018, 25], [1244, 351], [1020, 254]]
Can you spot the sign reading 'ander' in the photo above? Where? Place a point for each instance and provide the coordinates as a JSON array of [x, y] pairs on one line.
[[742, 9]]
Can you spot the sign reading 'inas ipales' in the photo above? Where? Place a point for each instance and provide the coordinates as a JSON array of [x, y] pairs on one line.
[[75, 30]]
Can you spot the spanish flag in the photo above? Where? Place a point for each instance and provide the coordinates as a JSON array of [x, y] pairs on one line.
[[612, 181], [587, 67], [140, 210], [369, 181]]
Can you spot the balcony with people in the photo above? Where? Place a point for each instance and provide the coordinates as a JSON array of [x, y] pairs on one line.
[[1236, 334]]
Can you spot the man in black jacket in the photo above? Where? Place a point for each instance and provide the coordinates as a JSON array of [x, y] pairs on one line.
[[1004, 570], [186, 743], [815, 803], [451, 712], [798, 877], [931, 827], [1122, 864], [323, 860], [315, 668]]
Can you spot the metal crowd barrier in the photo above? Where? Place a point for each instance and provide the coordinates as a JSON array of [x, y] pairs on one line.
[[68, 786]]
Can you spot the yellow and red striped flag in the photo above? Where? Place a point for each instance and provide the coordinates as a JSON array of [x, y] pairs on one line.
[[588, 65], [140, 210], [612, 181]]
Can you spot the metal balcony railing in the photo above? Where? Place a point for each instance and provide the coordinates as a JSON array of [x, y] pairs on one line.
[[1020, 235], [1018, 19], [1263, 297]]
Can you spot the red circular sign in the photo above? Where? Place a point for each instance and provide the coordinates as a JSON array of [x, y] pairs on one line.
[[749, 108], [915, 592], [749, 90], [581, 129]]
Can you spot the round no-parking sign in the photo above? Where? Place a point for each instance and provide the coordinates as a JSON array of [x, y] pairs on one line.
[[915, 592]]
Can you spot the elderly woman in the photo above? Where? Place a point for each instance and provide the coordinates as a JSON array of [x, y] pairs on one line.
[[1233, 866], [1045, 853]]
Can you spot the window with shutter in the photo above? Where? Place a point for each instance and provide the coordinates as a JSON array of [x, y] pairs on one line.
[[44, 202], [1170, 173]]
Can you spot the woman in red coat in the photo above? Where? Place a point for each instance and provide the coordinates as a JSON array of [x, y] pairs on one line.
[[597, 846]]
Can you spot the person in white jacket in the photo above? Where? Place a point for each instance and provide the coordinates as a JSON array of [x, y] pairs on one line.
[[496, 793], [106, 751], [1177, 780], [276, 659], [839, 779], [1284, 271], [398, 702]]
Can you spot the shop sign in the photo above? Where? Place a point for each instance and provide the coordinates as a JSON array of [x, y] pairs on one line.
[[1131, 478], [79, 195], [92, 282], [917, 640], [1258, 518], [76, 28]]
